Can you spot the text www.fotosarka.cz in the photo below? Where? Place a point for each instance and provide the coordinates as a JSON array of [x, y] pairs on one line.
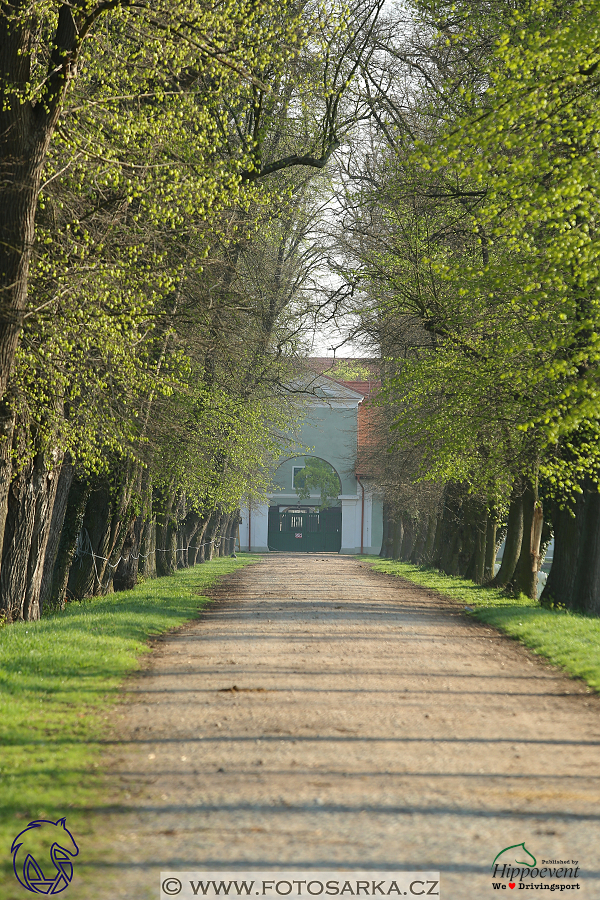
[[187, 885]]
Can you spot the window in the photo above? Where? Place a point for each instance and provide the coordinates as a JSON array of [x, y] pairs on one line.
[[295, 472]]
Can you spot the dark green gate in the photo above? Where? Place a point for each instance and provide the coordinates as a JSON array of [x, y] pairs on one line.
[[305, 530]]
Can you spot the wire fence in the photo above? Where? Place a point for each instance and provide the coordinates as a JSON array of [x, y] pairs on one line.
[[85, 548]]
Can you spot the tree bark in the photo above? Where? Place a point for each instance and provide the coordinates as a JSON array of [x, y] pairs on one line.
[[196, 555], [125, 575], [446, 544], [490, 547], [586, 590], [418, 551], [120, 527], [31, 498], [187, 536], [221, 532], [211, 531], [568, 525], [397, 535], [476, 568], [385, 539], [451, 557], [166, 532], [7, 425], [65, 480], [525, 576], [76, 504], [147, 564], [436, 550], [233, 519], [429, 543], [26, 129], [87, 569], [514, 538], [408, 537]]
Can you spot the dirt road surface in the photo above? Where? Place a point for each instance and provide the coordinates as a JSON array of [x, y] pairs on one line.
[[322, 716]]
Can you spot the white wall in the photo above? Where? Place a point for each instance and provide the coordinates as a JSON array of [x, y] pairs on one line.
[[259, 521], [351, 523]]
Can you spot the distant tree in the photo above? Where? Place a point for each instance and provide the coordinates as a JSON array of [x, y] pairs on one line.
[[317, 475]]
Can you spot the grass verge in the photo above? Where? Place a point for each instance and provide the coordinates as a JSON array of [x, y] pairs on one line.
[[59, 678], [566, 639]]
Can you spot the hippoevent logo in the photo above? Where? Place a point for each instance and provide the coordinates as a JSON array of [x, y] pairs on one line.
[[50, 870], [517, 867]]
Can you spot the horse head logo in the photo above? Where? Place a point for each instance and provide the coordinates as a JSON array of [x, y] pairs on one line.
[[509, 856], [54, 845]]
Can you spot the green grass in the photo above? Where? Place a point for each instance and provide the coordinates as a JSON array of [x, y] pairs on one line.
[[59, 679], [566, 639]]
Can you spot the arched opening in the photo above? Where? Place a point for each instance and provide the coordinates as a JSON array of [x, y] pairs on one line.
[[314, 523]]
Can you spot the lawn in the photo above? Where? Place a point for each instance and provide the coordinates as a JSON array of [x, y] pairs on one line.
[[59, 680], [566, 639]]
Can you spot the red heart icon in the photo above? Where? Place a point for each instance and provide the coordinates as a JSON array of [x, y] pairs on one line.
[[511, 884]]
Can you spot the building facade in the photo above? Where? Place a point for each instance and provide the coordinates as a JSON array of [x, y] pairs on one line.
[[334, 426]]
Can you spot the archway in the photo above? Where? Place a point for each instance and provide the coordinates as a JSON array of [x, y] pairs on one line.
[[314, 523]]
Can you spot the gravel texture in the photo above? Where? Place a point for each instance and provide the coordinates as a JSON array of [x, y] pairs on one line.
[[322, 716]]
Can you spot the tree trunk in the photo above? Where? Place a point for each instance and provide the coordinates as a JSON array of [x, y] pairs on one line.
[[65, 480], [209, 540], [26, 129], [196, 554], [31, 498], [436, 550], [125, 576], [187, 536], [469, 538], [451, 557], [586, 591], [166, 533], [418, 551], [7, 425], [429, 543], [397, 535], [452, 530], [490, 547], [233, 520], [386, 538], [20, 177], [224, 530], [476, 568], [87, 569], [514, 538], [235, 530], [226, 534], [568, 526], [221, 531], [408, 538], [148, 546], [76, 504], [447, 538], [121, 525], [525, 577]]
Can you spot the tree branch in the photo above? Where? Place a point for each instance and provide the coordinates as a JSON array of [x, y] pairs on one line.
[[315, 162]]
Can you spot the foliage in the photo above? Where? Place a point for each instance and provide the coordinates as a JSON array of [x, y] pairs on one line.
[[216, 446], [350, 370], [155, 211], [523, 337], [317, 475]]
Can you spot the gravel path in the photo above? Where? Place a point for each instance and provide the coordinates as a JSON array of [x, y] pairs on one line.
[[320, 715]]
